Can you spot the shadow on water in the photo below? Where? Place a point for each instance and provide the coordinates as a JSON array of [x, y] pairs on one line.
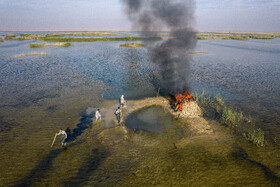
[[241, 154], [89, 166], [46, 163], [85, 121]]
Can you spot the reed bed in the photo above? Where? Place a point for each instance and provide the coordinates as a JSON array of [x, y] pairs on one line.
[[38, 45], [237, 36], [235, 120], [89, 39], [82, 34], [10, 37], [132, 45]]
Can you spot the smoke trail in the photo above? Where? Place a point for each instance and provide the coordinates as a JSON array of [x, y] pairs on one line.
[[170, 54]]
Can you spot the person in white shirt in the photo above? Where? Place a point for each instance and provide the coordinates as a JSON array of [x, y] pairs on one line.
[[118, 114], [97, 115], [64, 136], [122, 101]]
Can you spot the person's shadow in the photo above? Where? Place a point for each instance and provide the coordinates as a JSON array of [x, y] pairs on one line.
[[41, 170]]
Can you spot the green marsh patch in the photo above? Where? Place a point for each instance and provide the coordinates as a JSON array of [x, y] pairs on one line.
[[131, 45], [88, 39], [38, 45]]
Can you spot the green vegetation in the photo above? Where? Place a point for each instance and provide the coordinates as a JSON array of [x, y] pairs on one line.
[[165, 34], [240, 124], [237, 36], [82, 34], [131, 45], [30, 37], [223, 36], [1, 40], [89, 39], [10, 37], [38, 45]]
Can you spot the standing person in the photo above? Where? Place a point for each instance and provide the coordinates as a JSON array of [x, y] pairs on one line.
[[122, 101], [97, 115], [118, 114], [64, 136]]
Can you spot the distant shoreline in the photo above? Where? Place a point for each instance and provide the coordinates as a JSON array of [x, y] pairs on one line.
[[223, 32]]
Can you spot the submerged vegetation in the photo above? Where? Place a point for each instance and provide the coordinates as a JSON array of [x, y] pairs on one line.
[[38, 45], [132, 45], [240, 124]]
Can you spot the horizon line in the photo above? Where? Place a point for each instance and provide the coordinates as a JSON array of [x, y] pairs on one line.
[[133, 31]]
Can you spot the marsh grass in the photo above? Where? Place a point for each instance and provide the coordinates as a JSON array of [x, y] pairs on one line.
[[223, 36], [10, 37], [237, 36], [165, 34], [235, 120], [89, 39], [132, 45], [38, 45], [82, 34]]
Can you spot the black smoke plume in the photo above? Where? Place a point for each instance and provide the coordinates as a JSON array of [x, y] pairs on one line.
[[170, 55]]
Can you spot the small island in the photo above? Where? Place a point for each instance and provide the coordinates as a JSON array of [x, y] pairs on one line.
[[132, 45], [60, 44]]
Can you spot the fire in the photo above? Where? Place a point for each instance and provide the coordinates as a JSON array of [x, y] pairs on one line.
[[181, 99]]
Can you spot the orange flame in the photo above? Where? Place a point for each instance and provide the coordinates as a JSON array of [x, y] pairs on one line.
[[181, 99]]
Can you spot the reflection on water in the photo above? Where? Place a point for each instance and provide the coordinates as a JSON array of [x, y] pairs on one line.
[[39, 95]]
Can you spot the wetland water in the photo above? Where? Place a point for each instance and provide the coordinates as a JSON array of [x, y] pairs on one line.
[[39, 95]]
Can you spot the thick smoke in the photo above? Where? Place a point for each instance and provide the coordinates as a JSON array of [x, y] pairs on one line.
[[171, 55]]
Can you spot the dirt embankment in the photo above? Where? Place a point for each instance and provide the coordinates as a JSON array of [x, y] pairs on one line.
[[191, 113]]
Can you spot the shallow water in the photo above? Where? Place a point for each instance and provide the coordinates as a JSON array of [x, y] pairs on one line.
[[153, 119], [39, 95]]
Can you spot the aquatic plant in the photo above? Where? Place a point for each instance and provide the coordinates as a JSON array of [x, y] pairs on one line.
[[262, 36], [255, 136], [1, 40], [89, 39], [237, 36], [38, 45], [82, 34], [131, 45], [235, 120], [10, 37]]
